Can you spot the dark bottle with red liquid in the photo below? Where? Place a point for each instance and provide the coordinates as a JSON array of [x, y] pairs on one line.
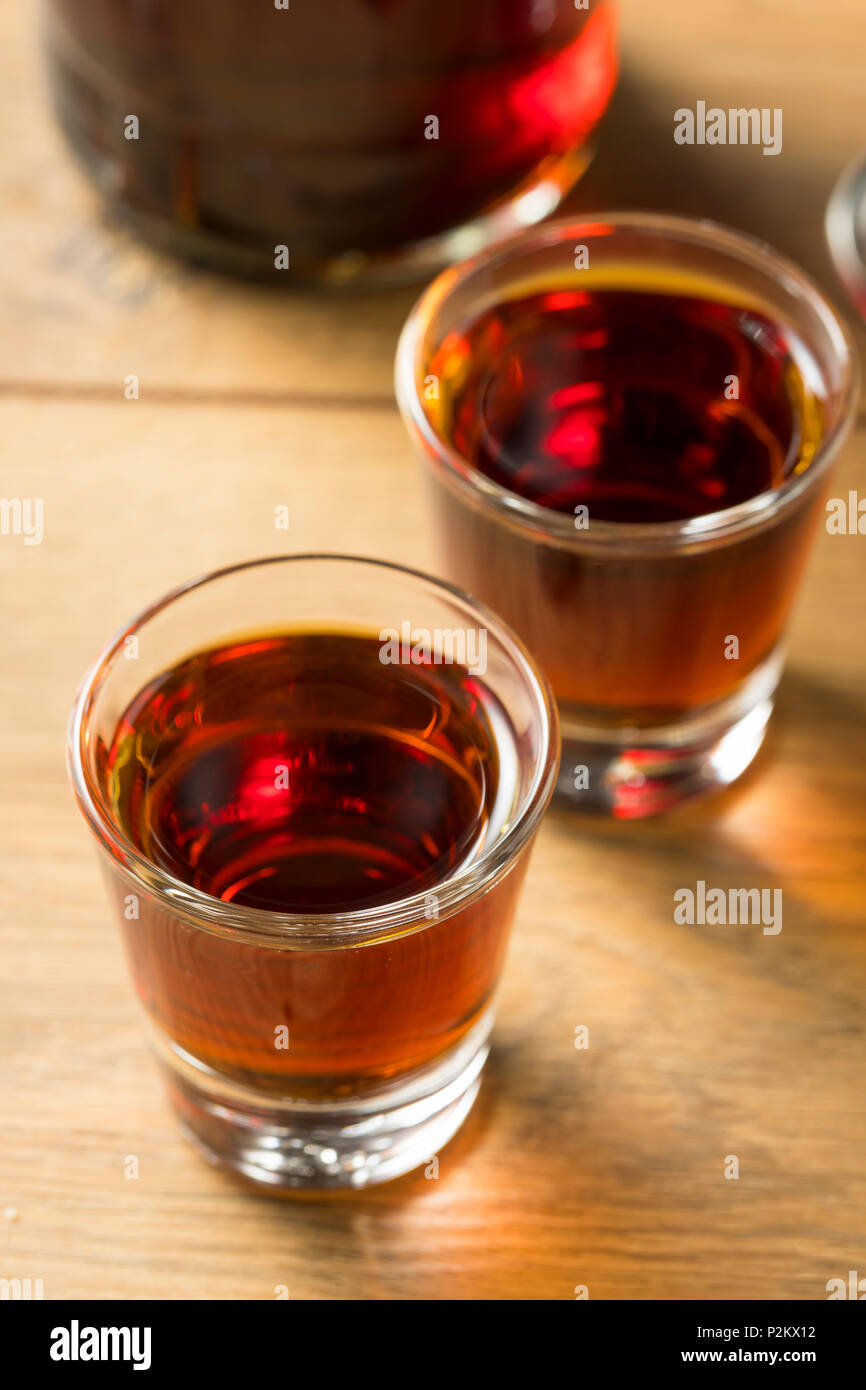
[[347, 131]]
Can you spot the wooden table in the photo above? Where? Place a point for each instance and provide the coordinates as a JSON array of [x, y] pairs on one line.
[[603, 1167]]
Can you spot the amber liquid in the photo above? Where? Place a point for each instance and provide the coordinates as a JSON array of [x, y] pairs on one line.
[[297, 773], [308, 127], [632, 405]]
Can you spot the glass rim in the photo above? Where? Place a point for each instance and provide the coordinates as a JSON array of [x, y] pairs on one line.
[[316, 931], [840, 225], [558, 528]]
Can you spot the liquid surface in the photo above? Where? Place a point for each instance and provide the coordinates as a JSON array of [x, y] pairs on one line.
[[299, 773], [641, 406]]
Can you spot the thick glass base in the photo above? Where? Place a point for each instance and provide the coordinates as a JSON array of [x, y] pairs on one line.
[[633, 772], [536, 199], [286, 1144]]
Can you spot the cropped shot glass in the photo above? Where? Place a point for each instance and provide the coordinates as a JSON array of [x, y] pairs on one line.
[[346, 140], [845, 227], [628, 618], [315, 1049]]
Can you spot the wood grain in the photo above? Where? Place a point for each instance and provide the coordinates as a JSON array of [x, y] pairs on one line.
[[602, 1167]]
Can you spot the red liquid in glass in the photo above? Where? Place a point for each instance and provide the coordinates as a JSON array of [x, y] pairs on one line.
[[643, 407], [639, 407], [310, 127], [297, 773]]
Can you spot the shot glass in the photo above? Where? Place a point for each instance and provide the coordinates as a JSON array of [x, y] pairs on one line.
[[714, 375], [314, 782], [845, 227]]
